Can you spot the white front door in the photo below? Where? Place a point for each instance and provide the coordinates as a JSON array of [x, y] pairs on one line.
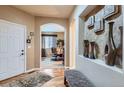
[[12, 49]]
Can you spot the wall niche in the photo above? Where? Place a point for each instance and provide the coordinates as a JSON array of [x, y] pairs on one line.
[[102, 34]]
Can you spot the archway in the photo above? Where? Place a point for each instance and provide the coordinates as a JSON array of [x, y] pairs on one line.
[[50, 32]]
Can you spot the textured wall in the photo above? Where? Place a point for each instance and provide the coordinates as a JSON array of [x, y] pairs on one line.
[[99, 73], [102, 39]]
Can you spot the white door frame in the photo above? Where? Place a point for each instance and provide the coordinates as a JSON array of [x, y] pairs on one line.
[[25, 46], [72, 53]]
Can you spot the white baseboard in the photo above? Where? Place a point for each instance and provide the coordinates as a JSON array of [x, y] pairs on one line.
[[67, 67], [33, 69]]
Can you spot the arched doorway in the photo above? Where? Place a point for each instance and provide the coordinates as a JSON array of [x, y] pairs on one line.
[[52, 45]]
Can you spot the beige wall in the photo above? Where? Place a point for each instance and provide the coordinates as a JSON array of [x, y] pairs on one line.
[[11, 14], [60, 35], [39, 21], [32, 23]]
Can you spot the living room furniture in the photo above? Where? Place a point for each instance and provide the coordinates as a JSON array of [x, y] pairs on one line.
[[58, 56], [74, 78]]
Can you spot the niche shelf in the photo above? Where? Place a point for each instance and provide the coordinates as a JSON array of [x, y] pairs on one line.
[[102, 63], [82, 18]]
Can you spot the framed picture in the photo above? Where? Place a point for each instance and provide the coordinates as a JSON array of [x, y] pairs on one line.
[[110, 10], [91, 22], [99, 26]]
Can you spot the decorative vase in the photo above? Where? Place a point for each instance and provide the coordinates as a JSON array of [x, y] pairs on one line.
[[92, 54], [96, 50], [110, 58], [86, 48], [118, 60]]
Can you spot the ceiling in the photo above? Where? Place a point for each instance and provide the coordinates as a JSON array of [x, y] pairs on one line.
[[58, 11], [52, 27]]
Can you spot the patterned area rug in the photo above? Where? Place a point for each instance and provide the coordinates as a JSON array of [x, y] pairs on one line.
[[34, 79]]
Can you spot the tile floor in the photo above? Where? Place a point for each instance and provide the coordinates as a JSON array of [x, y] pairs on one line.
[[54, 69], [58, 80], [48, 63]]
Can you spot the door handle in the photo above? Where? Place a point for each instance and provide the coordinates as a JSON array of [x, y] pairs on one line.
[[22, 50], [22, 54]]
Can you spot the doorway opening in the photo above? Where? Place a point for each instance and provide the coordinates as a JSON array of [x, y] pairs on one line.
[[52, 46]]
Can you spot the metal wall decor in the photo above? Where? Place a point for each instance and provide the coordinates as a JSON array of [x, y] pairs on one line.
[[92, 54], [118, 60], [86, 48], [110, 10], [91, 22], [113, 55], [99, 26], [91, 49], [110, 57], [96, 52]]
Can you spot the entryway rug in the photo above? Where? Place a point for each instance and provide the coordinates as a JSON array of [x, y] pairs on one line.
[[34, 79]]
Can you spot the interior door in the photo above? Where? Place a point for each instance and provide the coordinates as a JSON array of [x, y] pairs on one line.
[[12, 49]]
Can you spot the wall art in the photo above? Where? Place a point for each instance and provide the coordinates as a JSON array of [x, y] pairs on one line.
[[91, 22], [110, 10], [99, 26]]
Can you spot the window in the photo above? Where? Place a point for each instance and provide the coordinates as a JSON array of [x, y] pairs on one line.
[[49, 41]]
